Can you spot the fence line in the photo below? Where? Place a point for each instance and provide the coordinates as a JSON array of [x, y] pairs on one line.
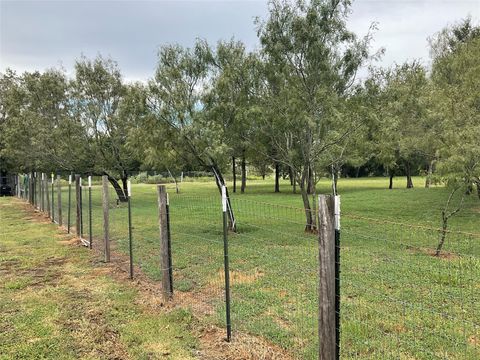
[[263, 279]]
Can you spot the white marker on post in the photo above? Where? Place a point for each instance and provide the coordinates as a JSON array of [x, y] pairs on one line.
[[337, 212], [168, 200], [53, 176], [129, 188], [69, 179], [224, 198], [80, 181], [89, 181]]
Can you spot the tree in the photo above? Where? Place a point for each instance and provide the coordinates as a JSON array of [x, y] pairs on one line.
[[177, 101], [98, 94], [312, 59], [456, 63]]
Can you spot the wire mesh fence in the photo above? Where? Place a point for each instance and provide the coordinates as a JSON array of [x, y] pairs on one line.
[[401, 298]]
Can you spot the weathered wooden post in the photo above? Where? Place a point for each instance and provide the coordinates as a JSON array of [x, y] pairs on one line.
[[59, 200], [164, 246], [79, 209], [105, 199], [327, 303]]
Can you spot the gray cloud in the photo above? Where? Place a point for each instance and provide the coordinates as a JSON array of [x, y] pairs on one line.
[[42, 34]]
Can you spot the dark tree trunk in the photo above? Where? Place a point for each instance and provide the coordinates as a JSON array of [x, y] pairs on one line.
[[234, 172], [263, 176], [310, 189], [121, 193], [277, 177], [390, 184], [408, 172], [244, 173], [335, 182], [220, 181], [357, 173], [290, 175]]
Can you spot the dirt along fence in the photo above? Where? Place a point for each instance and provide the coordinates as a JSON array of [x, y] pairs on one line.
[[376, 289]]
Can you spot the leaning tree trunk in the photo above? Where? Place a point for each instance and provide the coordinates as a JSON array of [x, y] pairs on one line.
[[234, 172], [220, 181], [121, 193], [244, 173], [277, 177], [408, 172], [309, 225], [310, 184]]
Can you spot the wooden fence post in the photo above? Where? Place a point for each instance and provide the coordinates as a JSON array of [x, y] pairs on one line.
[[77, 197], [105, 201], [326, 252], [164, 246], [59, 200]]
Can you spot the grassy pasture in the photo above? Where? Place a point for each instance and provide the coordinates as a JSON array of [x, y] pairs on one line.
[[398, 301]]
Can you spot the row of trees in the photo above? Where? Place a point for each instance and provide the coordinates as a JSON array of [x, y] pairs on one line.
[[294, 106]]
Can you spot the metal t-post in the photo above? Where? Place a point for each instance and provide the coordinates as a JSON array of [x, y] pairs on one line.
[[226, 263], [90, 237]]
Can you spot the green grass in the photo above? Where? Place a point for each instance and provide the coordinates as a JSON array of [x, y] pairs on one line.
[[56, 304], [398, 301]]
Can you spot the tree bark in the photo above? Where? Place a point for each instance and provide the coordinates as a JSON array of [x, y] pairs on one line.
[[220, 181], [310, 181], [390, 184], [277, 177], [408, 172], [234, 173], [244, 173], [290, 175], [121, 193]]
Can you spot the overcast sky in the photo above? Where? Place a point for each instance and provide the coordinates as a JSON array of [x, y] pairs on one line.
[[35, 35]]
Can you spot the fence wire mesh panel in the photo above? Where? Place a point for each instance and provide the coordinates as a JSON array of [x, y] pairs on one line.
[[274, 276], [400, 299], [197, 254]]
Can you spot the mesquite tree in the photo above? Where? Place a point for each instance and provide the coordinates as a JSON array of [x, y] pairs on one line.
[[312, 59], [97, 97]]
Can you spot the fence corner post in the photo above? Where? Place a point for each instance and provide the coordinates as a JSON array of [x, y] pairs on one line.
[[105, 201], [165, 261], [326, 258]]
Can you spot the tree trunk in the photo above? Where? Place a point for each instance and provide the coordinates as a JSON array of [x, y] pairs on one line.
[[408, 172], [478, 189], [443, 234], [290, 175], [310, 181], [118, 189], [357, 173], [234, 172], [309, 226], [390, 185], [244, 173], [428, 180], [277, 177], [220, 181]]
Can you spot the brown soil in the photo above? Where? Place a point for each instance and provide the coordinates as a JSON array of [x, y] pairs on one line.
[[213, 345]]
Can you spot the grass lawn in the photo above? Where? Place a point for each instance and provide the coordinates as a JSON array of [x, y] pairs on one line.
[[57, 302], [398, 301]]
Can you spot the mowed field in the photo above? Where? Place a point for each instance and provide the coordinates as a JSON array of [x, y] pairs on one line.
[[398, 300]]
